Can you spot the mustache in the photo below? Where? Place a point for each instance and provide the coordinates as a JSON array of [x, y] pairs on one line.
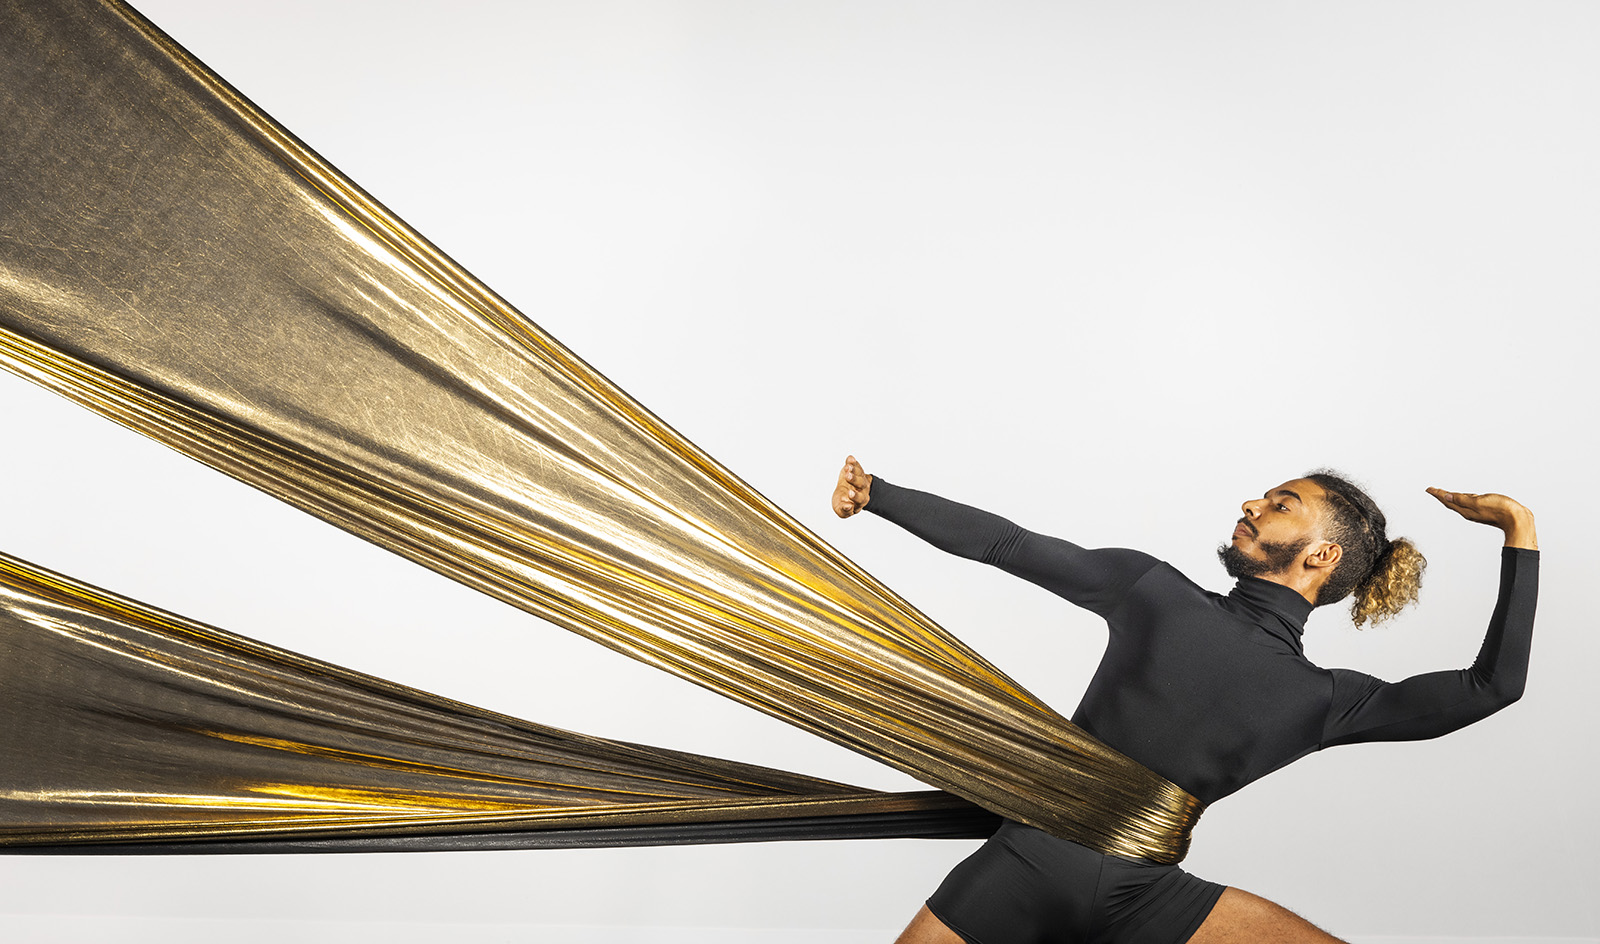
[[1250, 527]]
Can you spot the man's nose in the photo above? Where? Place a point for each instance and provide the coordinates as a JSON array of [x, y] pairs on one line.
[[1252, 508]]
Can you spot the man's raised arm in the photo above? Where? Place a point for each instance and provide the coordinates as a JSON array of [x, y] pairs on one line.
[[1430, 705]]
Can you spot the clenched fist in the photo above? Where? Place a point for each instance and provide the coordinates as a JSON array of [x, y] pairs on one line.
[[850, 495]]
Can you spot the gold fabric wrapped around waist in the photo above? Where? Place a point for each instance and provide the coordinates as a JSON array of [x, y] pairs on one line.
[[176, 261]]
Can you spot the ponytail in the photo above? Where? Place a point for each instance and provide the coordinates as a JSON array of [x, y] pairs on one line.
[[1384, 575], [1394, 584]]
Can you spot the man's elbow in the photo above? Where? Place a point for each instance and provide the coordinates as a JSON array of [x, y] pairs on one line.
[[1493, 691], [1506, 695]]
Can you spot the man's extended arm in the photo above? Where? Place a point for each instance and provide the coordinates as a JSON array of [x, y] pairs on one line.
[[1094, 579]]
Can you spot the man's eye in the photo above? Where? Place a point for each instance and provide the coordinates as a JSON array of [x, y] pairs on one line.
[[1282, 507]]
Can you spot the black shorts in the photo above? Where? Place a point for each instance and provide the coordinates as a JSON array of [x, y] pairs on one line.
[[1025, 886]]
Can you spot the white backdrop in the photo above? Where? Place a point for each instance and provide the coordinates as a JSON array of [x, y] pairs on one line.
[[1106, 269]]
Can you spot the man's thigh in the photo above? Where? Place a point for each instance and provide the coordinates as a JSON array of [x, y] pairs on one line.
[[1242, 918], [926, 928]]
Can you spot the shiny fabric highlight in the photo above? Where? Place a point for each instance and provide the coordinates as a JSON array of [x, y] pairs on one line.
[[174, 260], [131, 729]]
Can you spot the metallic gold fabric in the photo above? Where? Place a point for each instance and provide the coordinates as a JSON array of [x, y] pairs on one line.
[[174, 260], [126, 724]]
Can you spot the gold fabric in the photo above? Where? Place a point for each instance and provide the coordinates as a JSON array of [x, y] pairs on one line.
[[173, 259], [125, 724]]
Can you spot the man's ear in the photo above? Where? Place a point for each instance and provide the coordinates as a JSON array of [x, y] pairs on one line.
[[1323, 554]]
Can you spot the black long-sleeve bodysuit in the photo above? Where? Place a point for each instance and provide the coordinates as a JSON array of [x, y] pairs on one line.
[[1209, 691]]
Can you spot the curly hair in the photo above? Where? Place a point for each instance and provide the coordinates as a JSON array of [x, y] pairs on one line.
[[1384, 575]]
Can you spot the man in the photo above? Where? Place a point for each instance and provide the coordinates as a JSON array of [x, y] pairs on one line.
[[1209, 691]]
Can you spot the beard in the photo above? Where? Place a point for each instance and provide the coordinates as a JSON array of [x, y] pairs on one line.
[[1279, 558]]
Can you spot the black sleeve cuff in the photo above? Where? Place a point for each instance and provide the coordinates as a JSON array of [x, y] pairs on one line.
[[881, 495]]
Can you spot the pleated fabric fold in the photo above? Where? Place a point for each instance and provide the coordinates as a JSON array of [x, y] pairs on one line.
[[130, 729], [176, 261]]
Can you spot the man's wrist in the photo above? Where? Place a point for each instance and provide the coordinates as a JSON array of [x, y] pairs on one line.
[[1520, 531]]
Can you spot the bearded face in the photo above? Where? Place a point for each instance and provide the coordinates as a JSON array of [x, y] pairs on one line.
[[1276, 558]]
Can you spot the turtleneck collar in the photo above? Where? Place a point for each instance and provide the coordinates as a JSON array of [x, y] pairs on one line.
[[1274, 607]]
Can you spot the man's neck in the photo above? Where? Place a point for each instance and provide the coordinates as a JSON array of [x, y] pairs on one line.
[[1300, 580]]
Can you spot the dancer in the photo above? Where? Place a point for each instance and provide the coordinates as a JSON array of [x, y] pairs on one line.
[[1209, 691]]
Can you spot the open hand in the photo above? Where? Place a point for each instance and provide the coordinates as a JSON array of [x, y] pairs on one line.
[[853, 490], [1501, 511]]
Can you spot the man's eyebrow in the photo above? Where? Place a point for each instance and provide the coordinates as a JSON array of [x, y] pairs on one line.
[[1284, 491]]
